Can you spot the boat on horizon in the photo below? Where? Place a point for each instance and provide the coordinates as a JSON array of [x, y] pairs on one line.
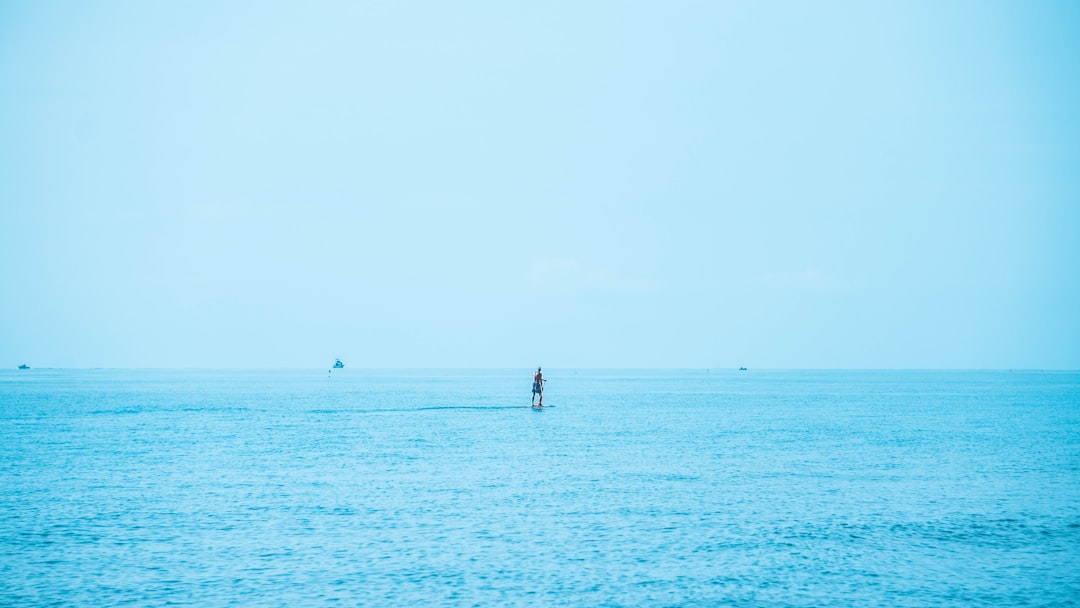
[[338, 364], [24, 366]]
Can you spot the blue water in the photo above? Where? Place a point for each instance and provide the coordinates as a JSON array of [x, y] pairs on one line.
[[633, 488]]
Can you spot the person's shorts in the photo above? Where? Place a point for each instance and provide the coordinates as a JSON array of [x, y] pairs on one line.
[[536, 387]]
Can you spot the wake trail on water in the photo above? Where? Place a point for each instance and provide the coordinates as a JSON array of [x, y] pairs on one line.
[[424, 408]]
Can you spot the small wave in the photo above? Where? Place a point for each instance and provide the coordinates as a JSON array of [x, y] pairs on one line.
[[424, 408]]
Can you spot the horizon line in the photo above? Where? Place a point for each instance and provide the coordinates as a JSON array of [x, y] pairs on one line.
[[558, 368]]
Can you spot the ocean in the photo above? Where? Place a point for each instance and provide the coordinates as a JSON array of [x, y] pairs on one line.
[[630, 488]]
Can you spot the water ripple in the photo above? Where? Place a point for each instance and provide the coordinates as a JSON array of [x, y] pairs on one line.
[[643, 488]]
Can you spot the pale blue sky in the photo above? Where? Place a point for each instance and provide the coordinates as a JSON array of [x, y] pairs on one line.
[[572, 184]]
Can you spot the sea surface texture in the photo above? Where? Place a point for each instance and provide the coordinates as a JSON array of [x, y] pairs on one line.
[[632, 488]]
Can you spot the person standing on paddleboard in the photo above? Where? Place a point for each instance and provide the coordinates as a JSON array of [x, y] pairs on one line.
[[538, 387]]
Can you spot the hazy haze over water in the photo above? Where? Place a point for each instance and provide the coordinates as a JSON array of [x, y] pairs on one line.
[[836, 184]]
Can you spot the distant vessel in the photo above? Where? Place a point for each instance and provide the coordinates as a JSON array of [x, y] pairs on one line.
[[742, 369], [24, 366], [338, 364]]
